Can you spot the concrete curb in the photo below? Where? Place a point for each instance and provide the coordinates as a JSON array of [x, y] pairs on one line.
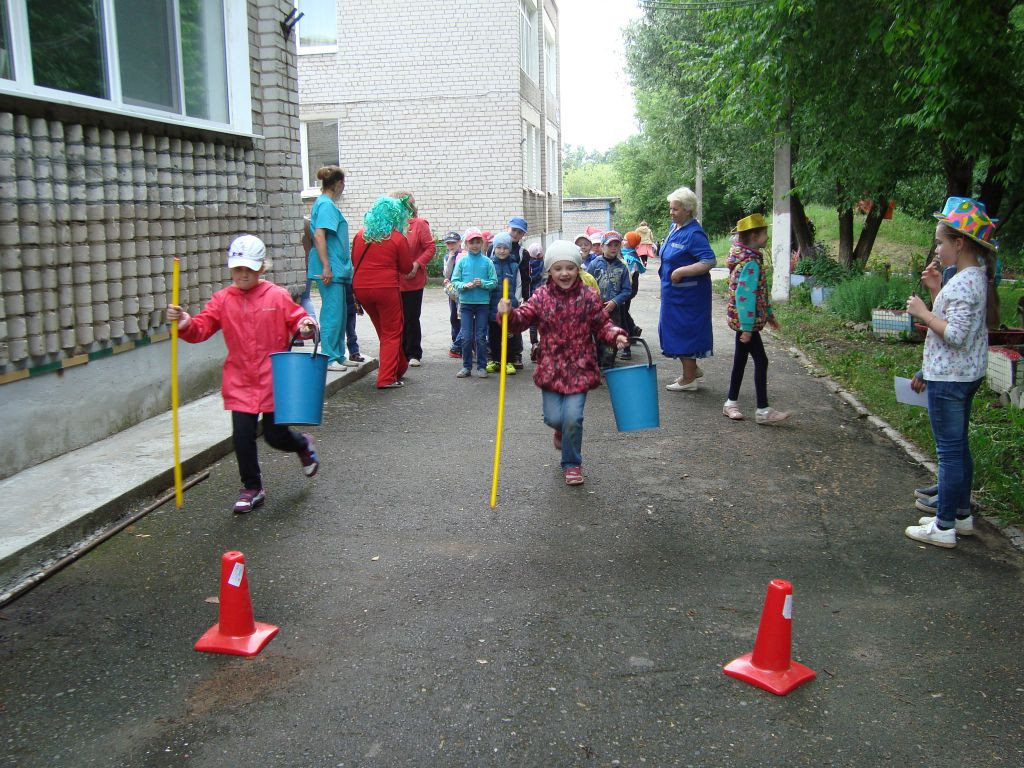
[[1012, 533], [40, 553]]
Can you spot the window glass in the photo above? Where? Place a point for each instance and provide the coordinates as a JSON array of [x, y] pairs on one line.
[[319, 27], [321, 148], [67, 45], [528, 38], [149, 68], [204, 59], [6, 70]]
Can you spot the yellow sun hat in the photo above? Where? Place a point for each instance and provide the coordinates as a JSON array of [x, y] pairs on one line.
[[753, 221]]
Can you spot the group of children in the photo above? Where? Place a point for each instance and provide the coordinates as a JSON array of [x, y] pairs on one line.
[[569, 307]]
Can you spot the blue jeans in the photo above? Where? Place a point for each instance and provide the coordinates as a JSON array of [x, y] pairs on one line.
[[565, 413], [949, 410], [332, 321], [350, 321], [453, 318], [474, 329]]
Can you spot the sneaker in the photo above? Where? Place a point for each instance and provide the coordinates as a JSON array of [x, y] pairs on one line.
[[517, 363], [930, 533], [493, 366], [415, 363], [927, 492], [928, 505], [678, 386], [510, 369], [308, 456], [393, 385], [463, 374], [558, 439], [732, 411], [964, 526], [336, 366], [354, 361], [574, 476], [481, 373], [455, 354], [248, 500], [771, 416]]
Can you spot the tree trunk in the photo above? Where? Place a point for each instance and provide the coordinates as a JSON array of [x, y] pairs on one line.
[[959, 172], [872, 222], [993, 188], [801, 230], [845, 229]]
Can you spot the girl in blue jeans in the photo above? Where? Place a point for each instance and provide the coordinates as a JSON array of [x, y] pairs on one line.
[[955, 357]]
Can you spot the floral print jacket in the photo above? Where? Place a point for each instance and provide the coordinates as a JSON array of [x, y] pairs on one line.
[[567, 321], [750, 303]]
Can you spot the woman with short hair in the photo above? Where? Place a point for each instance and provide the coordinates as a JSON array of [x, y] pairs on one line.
[[684, 325]]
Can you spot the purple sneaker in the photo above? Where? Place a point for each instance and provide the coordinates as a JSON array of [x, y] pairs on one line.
[[308, 457], [249, 499]]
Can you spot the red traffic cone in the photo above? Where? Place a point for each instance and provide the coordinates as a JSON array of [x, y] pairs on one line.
[[235, 632], [770, 666]]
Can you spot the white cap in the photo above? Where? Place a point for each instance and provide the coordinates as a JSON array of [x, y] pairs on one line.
[[561, 250], [247, 251]]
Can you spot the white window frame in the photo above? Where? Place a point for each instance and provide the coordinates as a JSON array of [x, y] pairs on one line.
[[304, 50], [528, 55], [310, 185], [550, 57], [236, 46], [553, 158]]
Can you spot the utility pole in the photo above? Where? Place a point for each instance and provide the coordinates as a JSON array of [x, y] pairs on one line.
[[781, 226], [699, 191]]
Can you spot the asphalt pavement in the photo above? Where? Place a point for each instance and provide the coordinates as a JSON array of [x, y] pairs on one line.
[[567, 627]]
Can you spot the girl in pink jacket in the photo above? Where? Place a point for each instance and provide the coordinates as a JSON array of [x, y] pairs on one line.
[[568, 316], [257, 318]]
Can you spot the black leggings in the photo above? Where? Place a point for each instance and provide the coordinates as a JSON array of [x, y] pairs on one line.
[[243, 432], [755, 349]]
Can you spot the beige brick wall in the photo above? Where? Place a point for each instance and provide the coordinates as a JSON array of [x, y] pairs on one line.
[[430, 104]]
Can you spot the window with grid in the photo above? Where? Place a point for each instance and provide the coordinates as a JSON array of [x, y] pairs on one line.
[[146, 57], [319, 144], [528, 38], [550, 58]]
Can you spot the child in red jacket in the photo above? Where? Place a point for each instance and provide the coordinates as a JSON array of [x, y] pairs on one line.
[[568, 316], [257, 318]]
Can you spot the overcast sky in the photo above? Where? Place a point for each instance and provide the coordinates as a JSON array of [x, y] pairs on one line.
[[597, 103]]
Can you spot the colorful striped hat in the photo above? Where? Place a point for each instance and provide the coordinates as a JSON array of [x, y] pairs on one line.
[[969, 218]]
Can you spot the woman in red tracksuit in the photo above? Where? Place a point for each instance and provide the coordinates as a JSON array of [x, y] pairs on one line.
[[380, 254]]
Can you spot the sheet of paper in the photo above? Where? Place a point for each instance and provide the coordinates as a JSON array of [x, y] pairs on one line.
[[904, 394]]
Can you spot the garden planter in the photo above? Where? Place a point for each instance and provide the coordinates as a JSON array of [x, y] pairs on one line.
[[820, 293], [800, 280], [1003, 368], [892, 322]]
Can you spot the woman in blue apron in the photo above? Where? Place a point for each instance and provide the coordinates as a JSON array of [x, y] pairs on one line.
[[684, 325]]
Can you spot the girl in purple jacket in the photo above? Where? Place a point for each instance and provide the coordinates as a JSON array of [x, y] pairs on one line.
[[567, 316]]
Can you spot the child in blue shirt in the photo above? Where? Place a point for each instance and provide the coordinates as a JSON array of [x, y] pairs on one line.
[[505, 268], [614, 285], [474, 277]]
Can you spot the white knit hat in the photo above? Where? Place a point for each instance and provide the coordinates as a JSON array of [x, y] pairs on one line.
[[561, 250]]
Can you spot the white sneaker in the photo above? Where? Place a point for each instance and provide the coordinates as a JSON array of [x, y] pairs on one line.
[[771, 416], [336, 366], [414, 363], [678, 386], [964, 527], [930, 533]]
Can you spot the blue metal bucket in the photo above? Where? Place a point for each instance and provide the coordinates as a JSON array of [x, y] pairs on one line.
[[634, 393], [299, 382]]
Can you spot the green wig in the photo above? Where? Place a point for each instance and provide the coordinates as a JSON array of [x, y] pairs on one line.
[[384, 217]]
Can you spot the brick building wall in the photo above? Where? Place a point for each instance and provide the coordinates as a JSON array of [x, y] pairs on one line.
[[93, 209], [578, 213], [432, 103]]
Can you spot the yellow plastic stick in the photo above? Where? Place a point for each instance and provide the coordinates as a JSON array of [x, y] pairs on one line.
[[175, 280], [501, 398]]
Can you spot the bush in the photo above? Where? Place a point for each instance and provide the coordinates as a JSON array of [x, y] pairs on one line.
[[800, 295], [828, 272], [899, 291], [804, 266], [855, 298]]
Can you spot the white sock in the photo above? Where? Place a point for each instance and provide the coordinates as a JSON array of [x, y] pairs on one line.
[[762, 411], [731, 402]]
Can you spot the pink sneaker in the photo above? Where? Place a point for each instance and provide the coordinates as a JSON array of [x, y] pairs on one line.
[[732, 411], [771, 416], [574, 476]]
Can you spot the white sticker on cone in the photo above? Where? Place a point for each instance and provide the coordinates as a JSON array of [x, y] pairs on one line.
[[787, 607], [236, 575]]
